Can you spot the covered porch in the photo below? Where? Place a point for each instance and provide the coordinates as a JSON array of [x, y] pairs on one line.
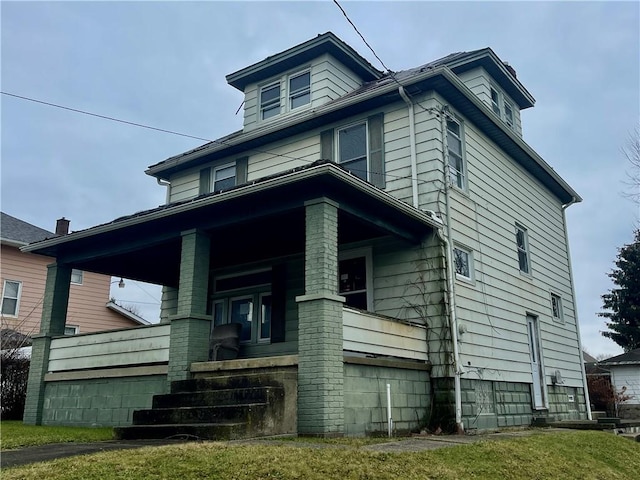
[[266, 255]]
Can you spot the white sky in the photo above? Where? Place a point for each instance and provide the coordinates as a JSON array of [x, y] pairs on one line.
[[163, 64]]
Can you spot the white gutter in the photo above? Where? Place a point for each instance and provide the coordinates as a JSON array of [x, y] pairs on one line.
[[451, 293], [575, 310], [412, 146], [165, 183], [327, 168]]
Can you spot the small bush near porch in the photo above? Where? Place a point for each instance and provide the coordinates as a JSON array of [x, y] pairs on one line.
[[571, 455]]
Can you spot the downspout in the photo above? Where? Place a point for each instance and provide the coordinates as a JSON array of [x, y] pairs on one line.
[[165, 183], [412, 146], [575, 309], [453, 321]]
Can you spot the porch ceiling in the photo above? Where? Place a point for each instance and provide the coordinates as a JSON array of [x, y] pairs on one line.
[[249, 223]]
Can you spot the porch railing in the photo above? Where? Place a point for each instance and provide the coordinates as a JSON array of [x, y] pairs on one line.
[[117, 348], [372, 334]]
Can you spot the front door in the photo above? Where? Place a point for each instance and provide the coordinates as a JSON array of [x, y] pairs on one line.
[[536, 362]]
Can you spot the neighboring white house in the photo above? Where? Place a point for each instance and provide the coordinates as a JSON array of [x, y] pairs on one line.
[[625, 375], [364, 228]]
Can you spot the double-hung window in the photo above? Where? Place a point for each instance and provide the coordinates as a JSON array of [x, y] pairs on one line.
[[463, 263], [556, 307], [77, 276], [11, 297], [354, 279], [457, 172], [270, 101], [224, 177], [522, 242], [508, 114], [495, 101], [299, 89], [352, 149]]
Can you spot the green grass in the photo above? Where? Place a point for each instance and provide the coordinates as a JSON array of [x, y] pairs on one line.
[[570, 456], [14, 434]]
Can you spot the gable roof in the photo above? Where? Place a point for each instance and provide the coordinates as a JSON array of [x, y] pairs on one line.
[[16, 232], [629, 358], [299, 55]]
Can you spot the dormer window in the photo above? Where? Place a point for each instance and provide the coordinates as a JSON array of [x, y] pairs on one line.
[[270, 101], [502, 107], [299, 89], [508, 114], [495, 102]]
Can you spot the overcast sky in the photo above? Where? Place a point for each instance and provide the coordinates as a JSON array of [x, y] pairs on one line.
[[163, 64]]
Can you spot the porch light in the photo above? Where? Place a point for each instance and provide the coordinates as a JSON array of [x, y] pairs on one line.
[[121, 283]]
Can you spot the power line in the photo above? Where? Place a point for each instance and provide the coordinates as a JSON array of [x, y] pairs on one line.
[[113, 119]]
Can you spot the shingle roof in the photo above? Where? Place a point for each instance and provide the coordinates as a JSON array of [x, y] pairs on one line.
[[15, 230], [630, 357]]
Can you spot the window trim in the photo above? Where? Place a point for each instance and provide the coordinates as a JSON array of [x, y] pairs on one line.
[[470, 260], [509, 120], [368, 262], [16, 312], [495, 104], [76, 330], [560, 317], [364, 122], [526, 249], [463, 154], [80, 272]]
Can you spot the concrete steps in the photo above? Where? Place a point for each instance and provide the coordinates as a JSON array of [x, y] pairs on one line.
[[225, 408]]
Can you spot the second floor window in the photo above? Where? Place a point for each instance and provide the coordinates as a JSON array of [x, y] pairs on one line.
[[11, 298], [224, 177], [77, 276], [556, 307], [462, 261], [352, 149], [522, 243], [456, 161], [270, 101]]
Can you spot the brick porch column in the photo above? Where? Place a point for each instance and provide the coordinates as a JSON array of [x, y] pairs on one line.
[[190, 327], [320, 367], [54, 316]]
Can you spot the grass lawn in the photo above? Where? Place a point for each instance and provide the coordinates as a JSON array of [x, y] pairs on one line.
[[570, 455], [14, 434]]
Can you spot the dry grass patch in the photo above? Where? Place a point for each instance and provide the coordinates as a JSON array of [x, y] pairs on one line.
[[571, 455]]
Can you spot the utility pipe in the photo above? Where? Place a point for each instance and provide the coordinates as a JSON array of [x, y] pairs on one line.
[[453, 321], [575, 309], [389, 420], [412, 146], [165, 183]]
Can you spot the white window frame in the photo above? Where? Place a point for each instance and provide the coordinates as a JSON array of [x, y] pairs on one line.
[[271, 105], [219, 168], [16, 298], [460, 137], [523, 249], [495, 103], [509, 116], [469, 254], [365, 123], [299, 93], [78, 273], [76, 330], [556, 304], [368, 259]]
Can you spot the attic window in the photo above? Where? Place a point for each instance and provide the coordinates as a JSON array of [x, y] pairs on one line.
[[270, 101], [508, 114], [495, 102], [299, 89]]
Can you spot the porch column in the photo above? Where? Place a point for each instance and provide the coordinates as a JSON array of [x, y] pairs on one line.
[[54, 316], [190, 326], [320, 366]]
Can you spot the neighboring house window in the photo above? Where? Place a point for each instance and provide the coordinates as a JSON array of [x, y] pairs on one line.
[[508, 114], [77, 276], [11, 297], [463, 262], [224, 177], [522, 242], [71, 329], [270, 101], [456, 161], [556, 307], [354, 279], [352, 149], [245, 299], [495, 101], [299, 89]]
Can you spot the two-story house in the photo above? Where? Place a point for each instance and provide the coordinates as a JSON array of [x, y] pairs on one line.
[[393, 251], [23, 277]]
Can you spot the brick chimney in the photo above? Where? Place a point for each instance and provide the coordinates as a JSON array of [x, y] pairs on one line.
[[62, 226], [511, 70]]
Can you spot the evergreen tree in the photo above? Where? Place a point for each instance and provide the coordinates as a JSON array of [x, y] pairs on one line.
[[622, 304]]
